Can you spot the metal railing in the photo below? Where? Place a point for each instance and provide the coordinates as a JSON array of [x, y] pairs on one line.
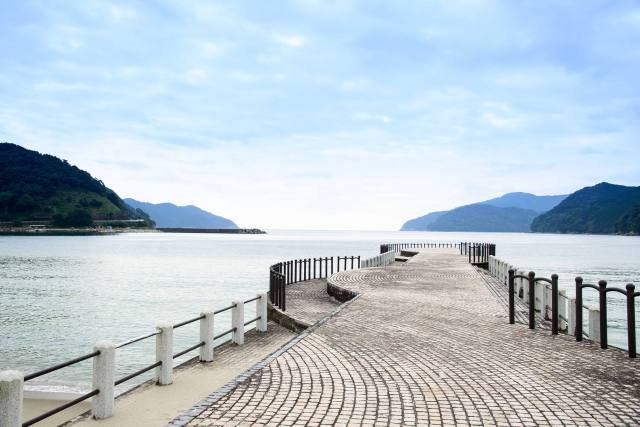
[[12, 382], [537, 291], [285, 273], [478, 253], [397, 247]]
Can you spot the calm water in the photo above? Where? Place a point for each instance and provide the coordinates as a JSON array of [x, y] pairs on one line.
[[59, 295]]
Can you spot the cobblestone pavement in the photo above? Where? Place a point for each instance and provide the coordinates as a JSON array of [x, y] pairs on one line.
[[309, 302], [428, 343]]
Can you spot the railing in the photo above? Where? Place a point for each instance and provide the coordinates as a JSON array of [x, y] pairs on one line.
[[478, 253], [103, 355], [565, 312], [381, 260], [397, 247], [298, 270]]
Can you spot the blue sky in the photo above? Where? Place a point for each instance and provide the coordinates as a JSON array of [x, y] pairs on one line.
[[327, 114]]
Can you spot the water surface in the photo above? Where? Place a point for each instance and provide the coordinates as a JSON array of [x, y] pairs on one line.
[[59, 295]]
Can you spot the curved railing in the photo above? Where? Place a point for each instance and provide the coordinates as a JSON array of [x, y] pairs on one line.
[[285, 273], [12, 382]]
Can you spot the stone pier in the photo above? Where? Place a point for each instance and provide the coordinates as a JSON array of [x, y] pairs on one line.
[[425, 342]]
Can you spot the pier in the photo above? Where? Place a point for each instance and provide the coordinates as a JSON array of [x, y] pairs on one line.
[[422, 334], [425, 342]]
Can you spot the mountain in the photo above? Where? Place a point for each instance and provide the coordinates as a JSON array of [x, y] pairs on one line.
[[595, 210], [482, 217], [526, 201], [168, 215], [512, 212], [42, 187], [630, 222], [421, 223]]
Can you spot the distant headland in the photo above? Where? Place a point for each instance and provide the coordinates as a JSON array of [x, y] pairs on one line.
[[41, 194]]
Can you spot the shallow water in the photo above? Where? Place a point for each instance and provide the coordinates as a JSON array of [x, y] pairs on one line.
[[59, 295]]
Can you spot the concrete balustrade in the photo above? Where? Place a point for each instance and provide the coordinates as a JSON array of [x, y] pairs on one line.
[[164, 354], [562, 310], [594, 324], [261, 311], [104, 366], [237, 322], [11, 390], [206, 336], [571, 326], [102, 403], [381, 260]]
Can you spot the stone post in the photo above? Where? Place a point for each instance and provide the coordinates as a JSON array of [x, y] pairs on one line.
[[571, 326], [562, 310], [594, 324], [164, 354], [261, 310], [206, 336], [104, 366], [237, 322], [11, 389], [525, 287]]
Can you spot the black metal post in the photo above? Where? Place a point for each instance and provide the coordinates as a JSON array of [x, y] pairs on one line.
[[358, 261], [331, 266], [512, 310], [554, 304], [631, 320], [271, 285], [602, 285], [532, 300], [276, 291], [578, 309], [284, 297]]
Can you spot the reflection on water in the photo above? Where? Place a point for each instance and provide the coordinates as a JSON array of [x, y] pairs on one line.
[[58, 295]]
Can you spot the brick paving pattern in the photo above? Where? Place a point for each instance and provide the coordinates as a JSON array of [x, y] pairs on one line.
[[309, 302], [428, 343]]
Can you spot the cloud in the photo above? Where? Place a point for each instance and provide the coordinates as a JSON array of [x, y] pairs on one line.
[[195, 76], [310, 114], [293, 40], [374, 117]]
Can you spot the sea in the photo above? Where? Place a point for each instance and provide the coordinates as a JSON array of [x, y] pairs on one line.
[[61, 294]]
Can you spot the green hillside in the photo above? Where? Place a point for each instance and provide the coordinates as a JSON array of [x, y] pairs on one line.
[[630, 222], [36, 186], [602, 209]]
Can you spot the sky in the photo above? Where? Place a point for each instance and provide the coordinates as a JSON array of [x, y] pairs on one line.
[[326, 114]]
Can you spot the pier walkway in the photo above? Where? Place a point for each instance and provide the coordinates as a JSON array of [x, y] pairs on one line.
[[426, 342]]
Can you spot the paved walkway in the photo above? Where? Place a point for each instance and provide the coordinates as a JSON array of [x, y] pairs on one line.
[[309, 302], [428, 343], [152, 405]]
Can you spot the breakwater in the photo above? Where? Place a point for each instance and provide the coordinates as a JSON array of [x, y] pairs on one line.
[[212, 230]]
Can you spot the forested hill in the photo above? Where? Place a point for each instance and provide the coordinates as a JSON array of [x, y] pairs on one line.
[[36, 186], [602, 209]]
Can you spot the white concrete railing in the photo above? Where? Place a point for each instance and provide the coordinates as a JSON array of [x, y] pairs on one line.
[[104, 382], [381, 260], [566, 305]]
